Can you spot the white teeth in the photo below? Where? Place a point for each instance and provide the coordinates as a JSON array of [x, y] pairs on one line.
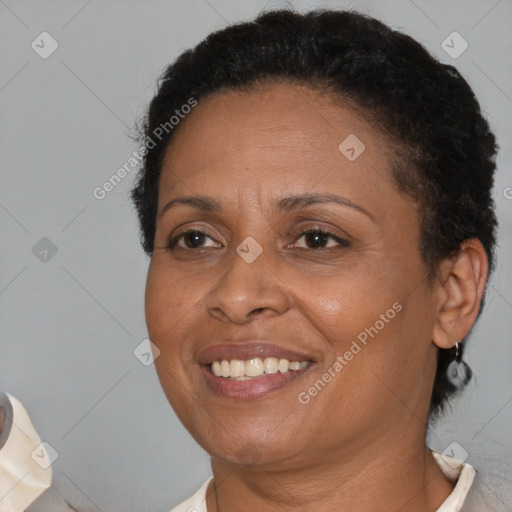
[[245, 370], [224, 368], [254, 367], [283, 365], [216, 369], [236, 368], [271, 365]]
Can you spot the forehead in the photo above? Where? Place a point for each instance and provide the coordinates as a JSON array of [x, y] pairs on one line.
[[275, 136]]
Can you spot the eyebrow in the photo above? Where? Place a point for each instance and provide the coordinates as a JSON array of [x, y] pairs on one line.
[[285, 204]]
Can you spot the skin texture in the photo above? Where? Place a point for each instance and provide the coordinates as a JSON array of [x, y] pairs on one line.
[[359, 444]]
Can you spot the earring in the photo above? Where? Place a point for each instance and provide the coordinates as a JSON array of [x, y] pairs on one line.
[[458, 372]]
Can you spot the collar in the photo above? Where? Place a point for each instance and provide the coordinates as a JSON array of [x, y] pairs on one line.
[[458, 472]]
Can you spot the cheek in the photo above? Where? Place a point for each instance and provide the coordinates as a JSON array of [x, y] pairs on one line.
[[333, 312], [166, 304], [166, 308], [349, 301], [368, 316], [157, 305]]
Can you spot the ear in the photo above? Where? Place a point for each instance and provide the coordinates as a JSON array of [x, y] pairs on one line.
[[460, 287]]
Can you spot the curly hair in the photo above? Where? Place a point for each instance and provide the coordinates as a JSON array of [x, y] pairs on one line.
[[443, 149]]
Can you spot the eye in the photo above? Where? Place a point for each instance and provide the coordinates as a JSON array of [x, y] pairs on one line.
[[193, 239], [317, 237]]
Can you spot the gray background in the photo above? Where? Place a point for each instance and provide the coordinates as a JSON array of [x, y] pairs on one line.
[[70, 324]]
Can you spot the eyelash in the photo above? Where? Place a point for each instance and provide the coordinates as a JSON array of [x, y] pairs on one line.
[[342, 242]]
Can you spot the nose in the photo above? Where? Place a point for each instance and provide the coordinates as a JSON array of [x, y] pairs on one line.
[[246, 290]]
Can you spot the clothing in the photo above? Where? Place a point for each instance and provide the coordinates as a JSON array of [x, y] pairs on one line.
[[468, 495], [25, 469], [25, 463]]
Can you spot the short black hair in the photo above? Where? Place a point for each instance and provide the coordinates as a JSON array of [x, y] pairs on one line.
[[445, 152]]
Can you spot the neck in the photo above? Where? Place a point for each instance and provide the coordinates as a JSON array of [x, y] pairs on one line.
[[398, 476]]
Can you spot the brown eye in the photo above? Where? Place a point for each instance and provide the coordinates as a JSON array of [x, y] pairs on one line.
[[192, 239], [318, 238]]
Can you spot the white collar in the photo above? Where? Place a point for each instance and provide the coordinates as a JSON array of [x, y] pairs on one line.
[[456, 471]]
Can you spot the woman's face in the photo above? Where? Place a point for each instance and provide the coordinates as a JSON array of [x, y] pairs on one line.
[[257, 279]]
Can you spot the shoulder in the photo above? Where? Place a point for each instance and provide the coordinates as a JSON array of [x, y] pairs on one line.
[[484, 498], [492, 487], [484, 490]]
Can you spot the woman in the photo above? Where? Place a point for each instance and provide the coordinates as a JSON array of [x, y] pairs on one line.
[[316, 201]]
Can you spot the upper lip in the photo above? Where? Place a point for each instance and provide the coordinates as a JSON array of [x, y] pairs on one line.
[[245, 350]]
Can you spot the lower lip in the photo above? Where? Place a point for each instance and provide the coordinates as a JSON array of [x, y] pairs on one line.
[[254, 388]]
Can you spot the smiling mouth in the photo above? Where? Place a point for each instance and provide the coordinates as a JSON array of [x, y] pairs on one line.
[[234, 383], [252, 368], [239, 370]]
